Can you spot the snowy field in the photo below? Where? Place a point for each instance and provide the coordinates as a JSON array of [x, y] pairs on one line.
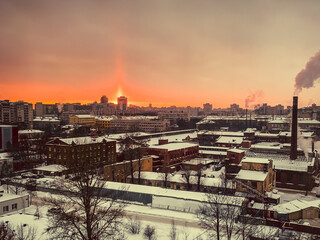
[[28, 220]]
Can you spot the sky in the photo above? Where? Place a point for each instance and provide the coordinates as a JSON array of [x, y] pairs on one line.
[[166, 52]]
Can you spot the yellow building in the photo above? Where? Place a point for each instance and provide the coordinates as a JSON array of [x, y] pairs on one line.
[[118, 172], [86, 120], [257, 174], [103, 123]]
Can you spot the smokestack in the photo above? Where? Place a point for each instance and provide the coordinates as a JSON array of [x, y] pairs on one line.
[[294, 129]]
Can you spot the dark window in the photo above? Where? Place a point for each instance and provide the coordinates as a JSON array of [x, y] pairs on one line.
[[14, 206], [5, 209]]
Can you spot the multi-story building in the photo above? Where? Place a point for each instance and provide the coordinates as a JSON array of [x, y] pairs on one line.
[[8, 137], [207, 108], [86, 120], [20, 113], [118, 172], [256, 173], [171, 154], [122, 103], [45, 123], [104, 99], [71, 151], [174, 116]]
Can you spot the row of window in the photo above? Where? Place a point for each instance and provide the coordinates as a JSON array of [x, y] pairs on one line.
[[13, 206]]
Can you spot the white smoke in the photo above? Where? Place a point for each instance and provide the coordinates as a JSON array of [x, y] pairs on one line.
[[307, 77], [253, 97], [304, 143]]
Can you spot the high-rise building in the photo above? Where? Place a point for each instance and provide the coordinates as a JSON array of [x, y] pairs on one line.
[[39, 109], [20, 113], [104, 99], [207, 108], [122, 103]]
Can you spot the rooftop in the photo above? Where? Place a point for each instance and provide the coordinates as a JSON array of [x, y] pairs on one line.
[[251, 175], [174, 146], [255, 160], [283, 161], [295, 206], [52, 168], [231, 140], [30, 131]]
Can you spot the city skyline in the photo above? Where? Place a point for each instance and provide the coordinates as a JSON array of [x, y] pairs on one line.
[[165, 53]]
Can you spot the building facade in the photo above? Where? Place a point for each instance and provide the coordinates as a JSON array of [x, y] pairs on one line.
[[72, 151]]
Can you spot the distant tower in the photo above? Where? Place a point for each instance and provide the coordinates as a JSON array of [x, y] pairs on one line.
[[207, 108], [104, 99], [122, 103]]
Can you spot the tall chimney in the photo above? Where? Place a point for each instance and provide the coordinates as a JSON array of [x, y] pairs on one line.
[[294, 129]]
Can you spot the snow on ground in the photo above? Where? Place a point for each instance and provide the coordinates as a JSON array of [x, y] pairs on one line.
[[287, 195]]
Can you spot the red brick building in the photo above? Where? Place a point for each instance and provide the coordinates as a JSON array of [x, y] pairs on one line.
[[171, 154], [69, 151]]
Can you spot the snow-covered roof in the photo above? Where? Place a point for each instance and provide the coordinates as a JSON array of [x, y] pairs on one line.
[[222, 133], [271, 135], [255, 160], [174, 146], [295, 206], [83, 140], [5, 156], [30, 131], [308, 121], [46, 119], [52, 168], [283, 162], [209, 152], [197, 161], [8, 197], [236, 150], [252, 175], [232, 140], [302, 134], [84, 116], [158, 191]]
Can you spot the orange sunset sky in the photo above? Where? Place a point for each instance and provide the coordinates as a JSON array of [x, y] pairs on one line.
[[166, 52]]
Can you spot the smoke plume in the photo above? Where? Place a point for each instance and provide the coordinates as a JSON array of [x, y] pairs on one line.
[[253, 97], [307, 77]]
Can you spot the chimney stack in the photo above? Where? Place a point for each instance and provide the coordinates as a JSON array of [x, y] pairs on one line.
[[294, 129]]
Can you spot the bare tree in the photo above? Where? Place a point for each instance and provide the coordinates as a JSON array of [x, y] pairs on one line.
[[134, 225], [84, 212], [6, 232], [186, 176], [219, 211], [173, 235], [133, 149], [150, 232], [199, 175], [25, 232], [165, 174]]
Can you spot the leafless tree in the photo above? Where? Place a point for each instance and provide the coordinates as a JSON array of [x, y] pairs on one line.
[[132, 149], [165, 174], [6, 232], [219, 211], [150, 232], [173, 235], [199, 175], [25, 232], [20, 232], [134, 225], [186, 176], [85, 210]]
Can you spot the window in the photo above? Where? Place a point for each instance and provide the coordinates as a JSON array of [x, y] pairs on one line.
[[14, 206], [5, 209]]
